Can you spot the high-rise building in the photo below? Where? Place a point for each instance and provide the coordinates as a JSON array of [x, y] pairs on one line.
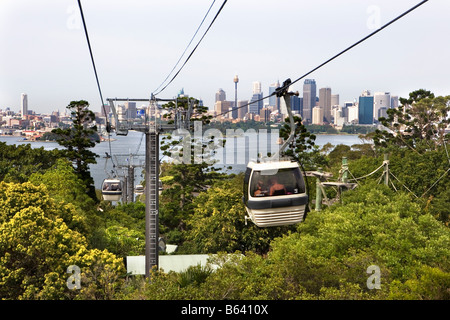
[[381, 102], [130, 107], [223, 106], [256, 104], [274, 101], [256, 87], [394, 102], [365, 111], [317, 115], [265, 114], [24, 105], [334, 99], [242, 108], [296, 104], [220, 95], [325, 103], [309, 99], [353, 114]]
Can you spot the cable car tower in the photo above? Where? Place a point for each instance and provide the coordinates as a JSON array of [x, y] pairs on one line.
[[152, 127]]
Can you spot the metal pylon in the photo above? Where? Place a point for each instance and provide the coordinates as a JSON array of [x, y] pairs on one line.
[[151, 129], [151, 201]]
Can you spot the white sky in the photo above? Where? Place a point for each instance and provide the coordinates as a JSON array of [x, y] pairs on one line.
[[43, 50]]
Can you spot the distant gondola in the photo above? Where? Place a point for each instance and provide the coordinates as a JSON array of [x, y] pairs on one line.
[[160, 187], [139, 189]]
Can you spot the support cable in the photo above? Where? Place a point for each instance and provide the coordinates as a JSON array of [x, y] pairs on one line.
[[340, 53], [436, 182], [108, 126], [367, 175], [195, 48], [201, 23], [403, 184]]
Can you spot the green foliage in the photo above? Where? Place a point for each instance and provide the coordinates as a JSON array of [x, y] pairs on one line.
[[78, 140], [418, 124], [324, 128], [328, 257], [218, 222], [37, 246], [64, 186], [50, 222], [302, 147], [124, 230], [373, 226], [17, 163]]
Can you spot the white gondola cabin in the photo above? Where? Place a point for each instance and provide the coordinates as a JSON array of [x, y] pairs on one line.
[[275, 193], [139, 189], [112, 189], [160, 187]]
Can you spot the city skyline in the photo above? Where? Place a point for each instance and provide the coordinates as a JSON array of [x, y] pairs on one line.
[[324, 108], [44, 51], [323, 99]]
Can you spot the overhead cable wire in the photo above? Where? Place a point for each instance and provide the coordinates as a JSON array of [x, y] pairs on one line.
[[368, 174], [340, 53], [436, 182], [390, 172], [195, 48], [96, 77], [192, 39]]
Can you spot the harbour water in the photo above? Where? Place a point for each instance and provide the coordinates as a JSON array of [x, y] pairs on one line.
[[134, 143]]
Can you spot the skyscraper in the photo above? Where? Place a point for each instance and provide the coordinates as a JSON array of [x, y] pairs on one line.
[[243, 108], [381, 101], [256, 87], [255, 107], [365, 112], [220, 95], [325, 103], [296, 104], [274, 101], [24, 105], [309, 99], [130, 107], [334, 99], [317, 117]]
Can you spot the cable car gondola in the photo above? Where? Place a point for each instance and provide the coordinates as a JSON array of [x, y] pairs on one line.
[[139, 189], [160, 187], [275, 193], [112, 189], [274, 190]]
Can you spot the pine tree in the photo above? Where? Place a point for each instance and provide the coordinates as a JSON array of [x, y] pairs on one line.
[[78, 139]]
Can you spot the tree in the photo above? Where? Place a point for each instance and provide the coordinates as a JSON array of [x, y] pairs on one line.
[[17, 163], [302, 147], [218, 222], [37, 247], [78, 140], [191, 170], [419, 123], [66, 188]]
